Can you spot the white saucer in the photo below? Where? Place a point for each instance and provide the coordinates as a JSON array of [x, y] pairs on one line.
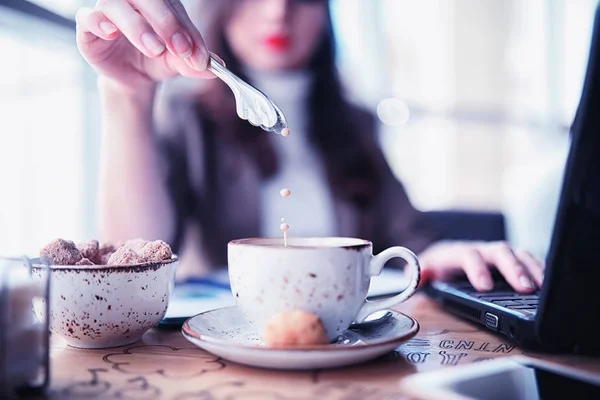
[[225, 333]]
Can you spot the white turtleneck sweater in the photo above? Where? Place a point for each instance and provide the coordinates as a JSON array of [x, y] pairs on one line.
[[309, 210]]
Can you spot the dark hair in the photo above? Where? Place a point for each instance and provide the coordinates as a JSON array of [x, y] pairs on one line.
[[338, 129]]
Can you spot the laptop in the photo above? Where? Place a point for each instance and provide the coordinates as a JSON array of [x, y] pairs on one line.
[[564, 315]]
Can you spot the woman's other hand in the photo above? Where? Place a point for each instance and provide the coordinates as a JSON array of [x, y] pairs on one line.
[[137, 43], [443, 260]]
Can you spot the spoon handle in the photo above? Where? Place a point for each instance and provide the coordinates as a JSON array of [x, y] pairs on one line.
[[224, 74]]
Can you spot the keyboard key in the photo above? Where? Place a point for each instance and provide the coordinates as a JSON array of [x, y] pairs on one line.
[[500, 293], [505, 303], [498, 298], [530, 297]]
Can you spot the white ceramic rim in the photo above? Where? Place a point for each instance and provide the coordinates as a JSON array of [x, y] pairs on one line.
[[36, 264], [299, 243]]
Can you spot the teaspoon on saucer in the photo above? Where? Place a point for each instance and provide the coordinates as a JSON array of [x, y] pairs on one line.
[[373, 319]]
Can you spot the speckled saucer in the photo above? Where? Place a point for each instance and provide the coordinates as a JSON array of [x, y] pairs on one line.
[[225, 333]]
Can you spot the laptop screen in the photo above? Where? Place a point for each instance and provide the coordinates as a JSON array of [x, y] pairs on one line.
[[571, 294]]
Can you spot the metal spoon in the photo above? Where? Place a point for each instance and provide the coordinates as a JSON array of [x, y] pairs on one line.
[[373, 319], [251, 104]]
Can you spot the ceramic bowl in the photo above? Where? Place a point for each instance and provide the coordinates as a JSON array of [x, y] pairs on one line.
[[107, 306]]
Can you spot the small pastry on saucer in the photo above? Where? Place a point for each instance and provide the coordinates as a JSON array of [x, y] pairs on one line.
[[295, 329]]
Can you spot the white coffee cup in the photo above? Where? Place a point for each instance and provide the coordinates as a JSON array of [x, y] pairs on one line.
[[326, 276]]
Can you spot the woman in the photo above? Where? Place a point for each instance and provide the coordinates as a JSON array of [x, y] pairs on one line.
[[201, 166]]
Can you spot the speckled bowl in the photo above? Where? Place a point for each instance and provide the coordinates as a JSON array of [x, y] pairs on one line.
[[107, 306]]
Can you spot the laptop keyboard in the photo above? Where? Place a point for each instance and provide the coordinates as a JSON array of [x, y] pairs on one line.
[[504, 296]]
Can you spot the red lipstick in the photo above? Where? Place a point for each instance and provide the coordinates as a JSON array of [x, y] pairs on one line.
[[278, 43]]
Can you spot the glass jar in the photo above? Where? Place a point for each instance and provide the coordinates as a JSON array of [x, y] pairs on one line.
[[24, 336]]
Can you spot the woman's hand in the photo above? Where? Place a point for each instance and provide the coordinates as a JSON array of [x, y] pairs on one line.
[[443, 260], [136, 43]]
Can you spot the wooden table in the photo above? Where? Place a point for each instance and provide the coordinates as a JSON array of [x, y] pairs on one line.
[[166, 366]]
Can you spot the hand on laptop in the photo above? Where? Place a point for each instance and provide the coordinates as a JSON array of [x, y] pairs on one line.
[[442, 260]]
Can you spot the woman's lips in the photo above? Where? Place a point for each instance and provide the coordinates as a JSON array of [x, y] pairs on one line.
[[278, 43]]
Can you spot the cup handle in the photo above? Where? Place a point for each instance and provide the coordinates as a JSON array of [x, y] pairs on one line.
[[375, 267]]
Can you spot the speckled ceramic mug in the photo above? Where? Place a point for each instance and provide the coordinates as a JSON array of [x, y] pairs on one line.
[[327, 276]]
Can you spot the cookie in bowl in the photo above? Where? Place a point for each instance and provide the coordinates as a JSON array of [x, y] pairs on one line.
[[106, 295]]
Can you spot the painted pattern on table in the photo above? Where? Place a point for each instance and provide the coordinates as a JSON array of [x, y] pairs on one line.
[[128, 373]]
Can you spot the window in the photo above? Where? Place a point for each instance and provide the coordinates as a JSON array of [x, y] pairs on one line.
[[481, 86], [42, 133], [484, 88]]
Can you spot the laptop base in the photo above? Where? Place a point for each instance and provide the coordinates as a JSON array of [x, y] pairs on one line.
[[490, 309]]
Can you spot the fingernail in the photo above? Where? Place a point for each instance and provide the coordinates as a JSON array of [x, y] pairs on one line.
[[153, 43], [107, 27], [486, 283], [182, 45], [198, 60], [526, 282]]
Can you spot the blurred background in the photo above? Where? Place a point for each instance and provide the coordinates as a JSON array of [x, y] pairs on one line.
[[475, 99]]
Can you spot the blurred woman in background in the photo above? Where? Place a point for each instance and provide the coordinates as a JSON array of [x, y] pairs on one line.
[[198, 175]]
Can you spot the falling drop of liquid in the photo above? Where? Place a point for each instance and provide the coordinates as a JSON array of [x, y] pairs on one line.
[[284, 227], [285, 132]]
